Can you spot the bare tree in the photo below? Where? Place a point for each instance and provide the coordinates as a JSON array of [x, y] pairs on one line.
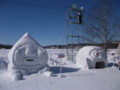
[[102, 25]]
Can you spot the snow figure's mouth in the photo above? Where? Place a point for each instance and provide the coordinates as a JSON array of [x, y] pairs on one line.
[[29, 60], [100, 64]]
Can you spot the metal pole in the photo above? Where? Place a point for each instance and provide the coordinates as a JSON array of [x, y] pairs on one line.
[[60, 67]]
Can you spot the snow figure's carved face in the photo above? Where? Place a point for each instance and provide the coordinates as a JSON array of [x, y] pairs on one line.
[[97, 54], [28, 55]]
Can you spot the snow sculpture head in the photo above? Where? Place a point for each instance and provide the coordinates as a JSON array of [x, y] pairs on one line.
[[91, 57], [27, 56]]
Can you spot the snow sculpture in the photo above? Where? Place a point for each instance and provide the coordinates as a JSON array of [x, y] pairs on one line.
[[26, 57], [91, 57], [118, 50]]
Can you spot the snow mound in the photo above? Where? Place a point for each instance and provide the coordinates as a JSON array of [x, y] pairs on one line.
[[48, 74], [91, 57]]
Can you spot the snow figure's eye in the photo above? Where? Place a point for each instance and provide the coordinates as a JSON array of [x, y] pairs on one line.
[[94, 53], [41, 53], [20, 51], [97, 54], [23, 50]]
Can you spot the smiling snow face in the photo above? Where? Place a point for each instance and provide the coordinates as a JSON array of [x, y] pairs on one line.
[[29, 55]]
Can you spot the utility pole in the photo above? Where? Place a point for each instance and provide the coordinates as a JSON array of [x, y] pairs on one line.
[[74, 30]]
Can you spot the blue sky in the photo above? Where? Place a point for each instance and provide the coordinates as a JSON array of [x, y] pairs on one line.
[[43, 19]]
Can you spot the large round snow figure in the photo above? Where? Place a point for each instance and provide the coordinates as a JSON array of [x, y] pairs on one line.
[[26, 57], [91, 57]]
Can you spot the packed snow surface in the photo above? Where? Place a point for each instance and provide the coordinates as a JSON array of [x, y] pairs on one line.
[[73, 77]]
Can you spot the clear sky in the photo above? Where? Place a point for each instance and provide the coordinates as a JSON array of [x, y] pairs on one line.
[[43, 19]]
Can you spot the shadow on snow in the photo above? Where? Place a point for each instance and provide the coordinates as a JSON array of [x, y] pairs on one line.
[[56, 69]]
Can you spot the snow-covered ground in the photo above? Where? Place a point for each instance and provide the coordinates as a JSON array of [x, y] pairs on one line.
[[73, 78], [100, 79]]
